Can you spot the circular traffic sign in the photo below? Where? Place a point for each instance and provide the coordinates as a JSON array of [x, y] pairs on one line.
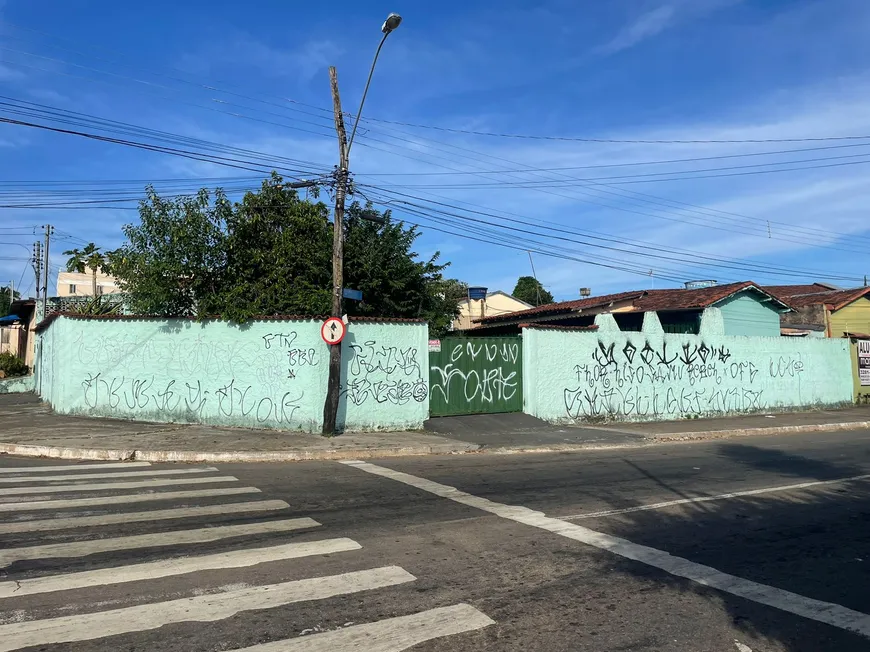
[[333, 330]]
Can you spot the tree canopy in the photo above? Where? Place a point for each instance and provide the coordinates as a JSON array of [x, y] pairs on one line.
[[90, 257], [7, 296], [270, 254], [530, 290]]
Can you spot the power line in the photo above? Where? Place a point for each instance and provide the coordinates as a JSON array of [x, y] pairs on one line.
[[627, 164], [65, 116], [217, 160], [597, 187], [714, 261], [474, 132], [634, 177], [391, 135]]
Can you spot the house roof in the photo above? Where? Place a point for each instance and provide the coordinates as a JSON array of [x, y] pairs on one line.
[[643, 301], [801, 296]]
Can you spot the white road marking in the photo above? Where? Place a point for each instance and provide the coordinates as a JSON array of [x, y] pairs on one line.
[[29, 505], [103, 486], [204, 608], [170, 567], [741, 647], [139, 517], [824, 612], [704, 499], [201, 535], [390, 635], [72, 467], [95, 476]]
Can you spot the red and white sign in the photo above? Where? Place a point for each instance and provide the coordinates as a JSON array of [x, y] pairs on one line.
[[333, 330]]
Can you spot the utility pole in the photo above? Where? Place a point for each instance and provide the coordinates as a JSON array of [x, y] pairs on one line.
[[36, 262], [49, 231], [333, 387], [330, 406]]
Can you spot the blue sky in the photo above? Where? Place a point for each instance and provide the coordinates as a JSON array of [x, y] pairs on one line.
[[627, 70]]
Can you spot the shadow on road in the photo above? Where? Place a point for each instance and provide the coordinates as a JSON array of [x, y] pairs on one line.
[[814, 542]]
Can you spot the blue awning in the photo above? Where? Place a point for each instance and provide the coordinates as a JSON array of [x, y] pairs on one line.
[[10, 319]]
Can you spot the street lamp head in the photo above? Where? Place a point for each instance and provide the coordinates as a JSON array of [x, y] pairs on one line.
[[391, 23]]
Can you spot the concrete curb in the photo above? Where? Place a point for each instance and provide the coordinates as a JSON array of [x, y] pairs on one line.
[[748, 432], [102, 454], [69, 453]]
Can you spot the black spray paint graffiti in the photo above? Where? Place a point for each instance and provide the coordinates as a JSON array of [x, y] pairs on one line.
[[492, 384], [238, 400], [296, 357], [386, 374], [144, 395], [268, 400], [639, 382]]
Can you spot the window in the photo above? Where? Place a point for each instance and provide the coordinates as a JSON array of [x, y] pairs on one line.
[[629, 321], [4, 336], [72, 288], [684, 321]]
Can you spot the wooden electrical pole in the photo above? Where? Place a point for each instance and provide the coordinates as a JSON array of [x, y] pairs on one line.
[[49, 230], [333, 388]]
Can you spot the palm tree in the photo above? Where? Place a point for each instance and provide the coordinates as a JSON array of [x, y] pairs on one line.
[[90, 257]]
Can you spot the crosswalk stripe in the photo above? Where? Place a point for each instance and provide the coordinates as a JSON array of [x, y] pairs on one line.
[[29, 505], [170, 567], [72, 467], [103, 486], [204, 608], [139, 517], [161, 539], [390, 635], [95, 476]]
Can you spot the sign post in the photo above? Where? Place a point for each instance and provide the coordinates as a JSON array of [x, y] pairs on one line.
[[333, 331], [864, 363]]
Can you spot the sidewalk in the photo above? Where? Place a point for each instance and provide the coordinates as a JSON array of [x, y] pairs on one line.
[[27, 427]]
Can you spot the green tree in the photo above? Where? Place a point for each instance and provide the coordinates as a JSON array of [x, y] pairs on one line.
[[6, 299], [90, 257], [271, 254], [279, 255], [174, 261], [395, 282], [530, 290]]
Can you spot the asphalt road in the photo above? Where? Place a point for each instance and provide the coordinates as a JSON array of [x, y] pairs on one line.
[[600, 551]]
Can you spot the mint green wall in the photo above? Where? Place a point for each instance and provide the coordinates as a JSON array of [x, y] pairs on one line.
[[17, 385], [572, 376], [747, 314], [266, 374]]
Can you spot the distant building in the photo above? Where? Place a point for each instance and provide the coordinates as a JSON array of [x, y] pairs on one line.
[[746, 309], [16, 330], [824, 310], [486, 304], [73, 284]]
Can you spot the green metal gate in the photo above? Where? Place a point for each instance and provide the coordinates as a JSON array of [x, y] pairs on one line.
[[476, 375]]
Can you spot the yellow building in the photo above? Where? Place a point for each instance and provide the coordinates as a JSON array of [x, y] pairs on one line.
[[73, 284], [834, 312], [493, 304]]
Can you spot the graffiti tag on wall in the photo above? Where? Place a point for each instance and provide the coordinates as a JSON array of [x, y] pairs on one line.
[[270, 400], [498, 380], [663, 379], [384, 374]]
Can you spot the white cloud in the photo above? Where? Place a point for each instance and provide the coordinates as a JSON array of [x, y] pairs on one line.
[[656, 20]]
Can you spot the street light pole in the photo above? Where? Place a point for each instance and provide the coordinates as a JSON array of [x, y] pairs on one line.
[[333, 388]]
